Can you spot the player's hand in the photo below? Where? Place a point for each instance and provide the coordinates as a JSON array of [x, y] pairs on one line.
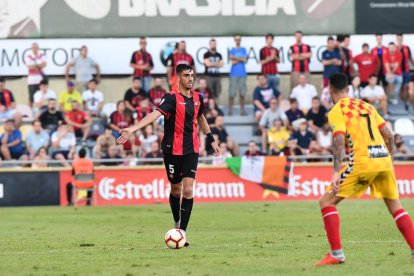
[[216, 149], [126, 133], [335, 183]]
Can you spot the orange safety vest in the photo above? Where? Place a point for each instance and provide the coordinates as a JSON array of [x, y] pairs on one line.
[[82, 166]]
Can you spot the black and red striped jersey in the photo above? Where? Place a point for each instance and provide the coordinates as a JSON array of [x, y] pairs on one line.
[[179, 58], [269, 68], [300, 65], [156, 94], [180, 125], [139, 58], [6, 98]]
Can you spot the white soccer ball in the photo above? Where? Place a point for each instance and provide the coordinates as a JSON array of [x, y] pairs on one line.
[[175, 238]]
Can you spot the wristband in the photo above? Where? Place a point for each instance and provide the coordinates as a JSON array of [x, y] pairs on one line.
[[210, 137]]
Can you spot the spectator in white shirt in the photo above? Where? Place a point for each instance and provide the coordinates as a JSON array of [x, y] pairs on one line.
[[93, 99], [304, 93], [84, 67], [375, 95], [35, 62], [63, 143], [41, 98]]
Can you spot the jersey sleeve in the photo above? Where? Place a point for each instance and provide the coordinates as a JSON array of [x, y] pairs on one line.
[[167, 104], [380, 121], [201, 110], [336, 121]]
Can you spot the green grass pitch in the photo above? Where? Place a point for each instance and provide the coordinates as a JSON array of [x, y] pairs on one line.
[[227, 239]]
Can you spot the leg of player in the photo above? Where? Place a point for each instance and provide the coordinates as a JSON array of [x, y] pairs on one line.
[[187, 203], [175, 196], [403, 221], [330, 218]]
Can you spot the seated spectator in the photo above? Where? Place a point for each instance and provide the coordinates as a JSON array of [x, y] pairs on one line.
[[375, 95], [400, 149], [252, 150], [212, 111], [103, 142], [291, 148], [121, 118], [79, 120], [274, 112], [143, 109], [12, 146], [146, 138], [326, 98], [304, 93], [303, 136], [36, 139], [68, 96], [224, 154], [156, 93], [204, 91], [355, 88], [262, 95], [324, 139], [41, 158], [8, 105], [42, 96], [294, 113], [63, 143], [223, 137], [314, 149], [93, 99], [317, 115], [277, 137], [112, 154], [154, 153], [134, 95], [51, 118]]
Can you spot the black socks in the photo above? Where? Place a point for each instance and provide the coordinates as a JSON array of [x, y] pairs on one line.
[[186, 207], [175, 207]]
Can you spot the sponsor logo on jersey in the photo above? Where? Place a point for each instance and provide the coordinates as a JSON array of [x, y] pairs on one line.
[[379, 151]]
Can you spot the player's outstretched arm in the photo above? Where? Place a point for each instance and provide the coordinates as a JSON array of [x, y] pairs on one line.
[[126, 133], [388, 138], [202, 121], [338, 149]]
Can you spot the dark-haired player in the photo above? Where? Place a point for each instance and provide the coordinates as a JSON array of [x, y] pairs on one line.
[[183, 109], [358, 126]]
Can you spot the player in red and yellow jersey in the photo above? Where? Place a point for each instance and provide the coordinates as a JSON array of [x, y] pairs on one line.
[[358, 126]]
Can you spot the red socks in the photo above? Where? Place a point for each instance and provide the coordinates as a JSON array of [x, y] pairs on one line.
[[405, 225], [331, 221]]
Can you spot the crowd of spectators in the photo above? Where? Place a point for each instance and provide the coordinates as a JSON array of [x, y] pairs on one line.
[[290, 123]]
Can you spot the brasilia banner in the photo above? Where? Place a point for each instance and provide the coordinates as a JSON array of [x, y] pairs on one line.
[[114, 54], [125, 18]]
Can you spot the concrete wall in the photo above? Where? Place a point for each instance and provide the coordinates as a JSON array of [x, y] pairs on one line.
[[115, 87]]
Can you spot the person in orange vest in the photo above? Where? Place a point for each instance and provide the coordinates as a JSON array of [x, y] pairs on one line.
[[81, 165]]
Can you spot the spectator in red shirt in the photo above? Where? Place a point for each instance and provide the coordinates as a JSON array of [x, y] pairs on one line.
[[393, 62], [141, 62], [368, 64], [407, 58], [134, 94], [269, 58], [300, 54], [252, 150], [176, 58], [204, 91], [119, 119], [380, 51], [8, 105], [79, 120], [157, 92]]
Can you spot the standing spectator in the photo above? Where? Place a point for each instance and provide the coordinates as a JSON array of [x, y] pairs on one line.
[[380, 51], [331, 60], [223, 137], [213, 61], [300, 54], [103, 143], [407, 58], [157, 92], [176, 58], [368, 64], [304, 93], [252, 150], [51, 118], [294, 113], [36, 139], [277, 137], [35, 62], [134, 94], [120, 118], [141, 62], [68, 96], [262, 95], [346, 55], [238, 57], [93, 99], [317, 115], [42, 97], [7, 104], [204, 91], [79, 120], [303, 136], [146, 138], [375, 95], [393, 69], [63, 143], [269, 58], [12, 146], [84, 67], [324, 139]]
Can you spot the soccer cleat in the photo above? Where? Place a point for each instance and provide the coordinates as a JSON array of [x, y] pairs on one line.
[[187, 243], [329, 260]]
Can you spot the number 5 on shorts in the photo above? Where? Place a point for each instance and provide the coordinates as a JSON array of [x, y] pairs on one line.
[[171, 168]]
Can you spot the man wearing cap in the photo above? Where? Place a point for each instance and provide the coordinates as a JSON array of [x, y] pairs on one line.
[[12, 146], [68, 96]]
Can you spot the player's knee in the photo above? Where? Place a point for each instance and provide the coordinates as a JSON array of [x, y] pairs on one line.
[[188, 192]]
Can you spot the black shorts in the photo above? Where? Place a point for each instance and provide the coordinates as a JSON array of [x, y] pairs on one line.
[[180, 166]]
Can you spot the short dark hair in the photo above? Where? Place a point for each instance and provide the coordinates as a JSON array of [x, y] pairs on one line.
[[182, 67], [338, 82], [93, 80], [400, 34], [45, 82], [340, 38], [293, 100], [373, 76], [2, 79], [378, 34], [270, 35], [315, 98], [82, 153], [330, 38], [261, 75], [391, 43], [136, 78], [299, 32], [365, 45], [212, 40], [36, 121]]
